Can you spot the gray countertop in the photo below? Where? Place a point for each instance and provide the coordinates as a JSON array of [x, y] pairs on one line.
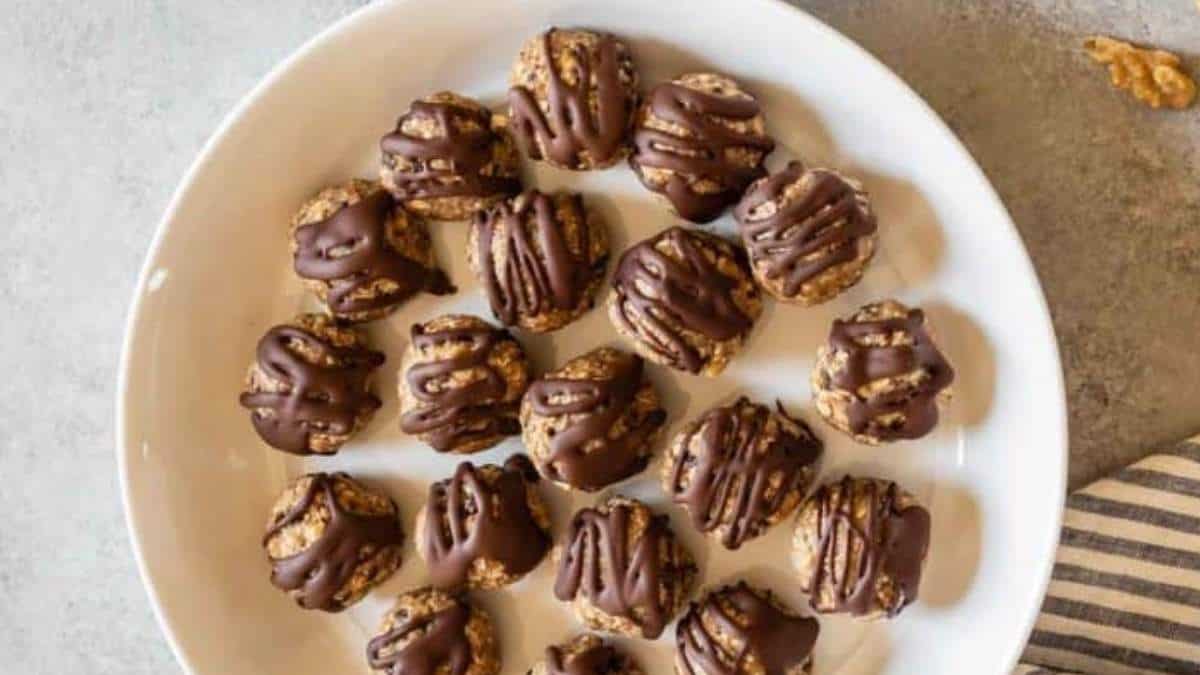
[[103, 105]]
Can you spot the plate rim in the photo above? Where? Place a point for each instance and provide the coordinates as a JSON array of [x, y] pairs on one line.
[[1058, 438]]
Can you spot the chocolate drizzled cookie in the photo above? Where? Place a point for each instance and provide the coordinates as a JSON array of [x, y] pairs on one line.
[[881, 377], [622, 569], [859, 547], [686, 299], [540, 259], [585, 655], [572, 99], [741, 468], [594, 421], [810, 233], [431, 633], [309, 388], [330, 539], [485, 527], [449, 156], [739, 630], [360, 254], [460, 384], [700, 140]]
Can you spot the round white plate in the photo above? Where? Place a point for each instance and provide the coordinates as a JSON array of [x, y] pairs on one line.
[[198, 482]]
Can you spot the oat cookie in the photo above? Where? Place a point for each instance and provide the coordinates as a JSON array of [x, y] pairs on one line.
[[461, 381], [573, 96], [448, 157], [881, 376], [594, 421], [685, 299], [309, 389], [700, 139], [860, 546], [809, 232], [330, 539], [361, 254], [741, 468]]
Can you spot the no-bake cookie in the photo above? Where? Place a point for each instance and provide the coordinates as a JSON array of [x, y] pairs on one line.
[[740, 630], [881, 377], [622, 569], [485, 527], [685, 299], [540, 259], [809, 232], [448, 157], [573, 97], [594, 421], [330, 539], [362, 255], [309, 388], [860, 546], [740, 468], [429, 632], [585, 654], [461, 382], [700, 139]]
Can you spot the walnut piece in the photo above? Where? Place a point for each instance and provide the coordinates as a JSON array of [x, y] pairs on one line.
[[1153, 76]]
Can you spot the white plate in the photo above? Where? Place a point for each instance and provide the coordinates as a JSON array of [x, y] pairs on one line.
[[198, 482]]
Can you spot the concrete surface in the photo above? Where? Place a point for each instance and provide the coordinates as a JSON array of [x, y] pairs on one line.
[[104, 104]]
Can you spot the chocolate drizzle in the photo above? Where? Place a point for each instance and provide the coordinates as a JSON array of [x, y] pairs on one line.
[[917, 403], [467, 520], [598, 563], [321, 570], [600, 659], [440, 640], [732, 468], [465, 152], [852, 556], [319, 398], [585, 455], [455, 416], [704, 154], [779, 642], [540, 273], [569, 127], [350, 250], [669, 295], [810, 234]]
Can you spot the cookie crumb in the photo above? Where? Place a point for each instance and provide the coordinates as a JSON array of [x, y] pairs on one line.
[[1155, 77]]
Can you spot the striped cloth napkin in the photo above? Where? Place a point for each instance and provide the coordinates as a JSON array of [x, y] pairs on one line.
[[1124, 597]]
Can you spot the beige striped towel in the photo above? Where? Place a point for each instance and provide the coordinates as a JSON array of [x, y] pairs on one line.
[[1124, 597]]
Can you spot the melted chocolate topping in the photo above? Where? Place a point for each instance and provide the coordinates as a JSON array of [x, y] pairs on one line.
[[319, 398], [597, 562], [691, 293], [702, 155], [778, 641], [570, 128], [321, 570], [584, 455], [466, 152], [865, 364], [598, 660], [732, 469], [455, 416], [441, 640], [466, 520], [362, 228], [809, 235], [540, 273], [893, 542]]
